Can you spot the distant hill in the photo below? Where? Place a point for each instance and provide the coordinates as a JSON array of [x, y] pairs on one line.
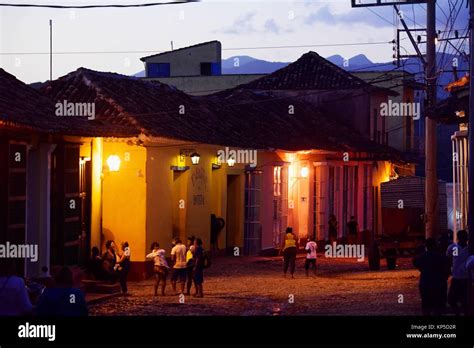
[[249, 65]]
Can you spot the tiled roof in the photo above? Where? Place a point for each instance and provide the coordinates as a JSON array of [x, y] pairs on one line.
[[310, 72], [242, 119], [22, 107]]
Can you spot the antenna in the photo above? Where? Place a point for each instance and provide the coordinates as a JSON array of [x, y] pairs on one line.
[[171, 44]]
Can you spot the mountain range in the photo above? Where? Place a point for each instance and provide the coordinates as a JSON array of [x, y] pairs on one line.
[[250, 65]]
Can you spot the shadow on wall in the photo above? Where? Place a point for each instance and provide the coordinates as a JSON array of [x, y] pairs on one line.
[[106, 235]]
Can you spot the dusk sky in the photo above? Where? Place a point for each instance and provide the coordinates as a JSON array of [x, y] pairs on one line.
[[91, 33]]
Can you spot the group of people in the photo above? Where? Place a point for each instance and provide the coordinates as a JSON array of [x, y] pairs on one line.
[[436, 264], [61, 298], [187, 266], [289, 249], [113, 265]]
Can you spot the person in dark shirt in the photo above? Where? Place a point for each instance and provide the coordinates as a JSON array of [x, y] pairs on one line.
[[434, 273], [95, 266], [353, 230], [198, 270], [62, 299], [109, 259]]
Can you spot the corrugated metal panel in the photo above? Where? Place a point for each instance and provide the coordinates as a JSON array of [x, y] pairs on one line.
[[411, 191]]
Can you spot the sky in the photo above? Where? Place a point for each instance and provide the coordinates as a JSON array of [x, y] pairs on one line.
[[115, 39]]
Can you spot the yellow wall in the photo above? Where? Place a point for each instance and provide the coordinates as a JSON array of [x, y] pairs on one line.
[[96, 195], [124, 197], [202, 190]]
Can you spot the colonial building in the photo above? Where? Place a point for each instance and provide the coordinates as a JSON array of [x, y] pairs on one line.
[[308, 165], [42, 170], [149, 165]]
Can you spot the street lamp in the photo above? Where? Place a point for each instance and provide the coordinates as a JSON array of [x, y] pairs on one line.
[[195, 158]]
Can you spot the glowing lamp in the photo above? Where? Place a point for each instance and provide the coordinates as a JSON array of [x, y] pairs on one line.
[[231, 162], [114, 163], [195, 158], [304, 172]]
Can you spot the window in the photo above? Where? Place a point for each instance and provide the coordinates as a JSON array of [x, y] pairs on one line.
[[315, 204], [210, 69], [280, 203], [158, 69], [367, 184], [253, 225]]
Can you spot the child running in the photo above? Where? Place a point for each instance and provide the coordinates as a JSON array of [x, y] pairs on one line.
[[311, 250], [161, 267]]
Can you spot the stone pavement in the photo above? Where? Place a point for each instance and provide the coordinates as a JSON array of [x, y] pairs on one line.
[[256, 286]]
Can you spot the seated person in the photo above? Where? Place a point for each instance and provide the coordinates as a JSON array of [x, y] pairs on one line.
[[62, 299], [95, 267], [14, 300]]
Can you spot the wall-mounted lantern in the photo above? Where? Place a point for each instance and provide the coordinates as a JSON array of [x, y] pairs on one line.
[[231, 162], [195, 158], [304, 172], [113, 162]]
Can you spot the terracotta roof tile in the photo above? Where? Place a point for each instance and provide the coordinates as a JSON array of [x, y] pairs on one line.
[[24, 107]]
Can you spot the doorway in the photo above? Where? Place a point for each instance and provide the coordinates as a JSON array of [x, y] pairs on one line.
[[233, 213], [70, 206]]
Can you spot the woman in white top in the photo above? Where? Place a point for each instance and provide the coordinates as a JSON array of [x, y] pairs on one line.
[[14, 300], [161, 267]]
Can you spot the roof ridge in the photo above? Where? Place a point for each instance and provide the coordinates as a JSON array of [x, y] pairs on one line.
[[179, 49]]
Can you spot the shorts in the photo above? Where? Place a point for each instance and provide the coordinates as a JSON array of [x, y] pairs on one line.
[[179, 273], [309, 262], [161, 270]]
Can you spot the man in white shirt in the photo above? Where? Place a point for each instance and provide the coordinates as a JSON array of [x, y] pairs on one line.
[[178, 255], [311, 255], [459, 253]]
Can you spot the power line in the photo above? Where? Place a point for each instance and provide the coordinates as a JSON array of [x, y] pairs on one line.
[[224, 49], [172, 2]]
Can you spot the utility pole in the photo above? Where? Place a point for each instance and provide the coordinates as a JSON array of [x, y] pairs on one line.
[[431, 148], [51, 50], [470, 204]]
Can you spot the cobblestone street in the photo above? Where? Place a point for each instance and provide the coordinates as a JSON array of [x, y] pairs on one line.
[[256, 286]]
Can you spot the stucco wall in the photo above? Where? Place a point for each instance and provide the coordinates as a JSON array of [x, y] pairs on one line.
[[124, 198], [187, 62]]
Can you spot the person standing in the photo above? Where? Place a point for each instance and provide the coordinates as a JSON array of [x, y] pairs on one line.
[[353, 230], [311, 255], [160, 268], [123, 266], [189, 265], [434, 273], [332, 228], [178, 255], [458, 253], [198, 270], [289, 249]]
